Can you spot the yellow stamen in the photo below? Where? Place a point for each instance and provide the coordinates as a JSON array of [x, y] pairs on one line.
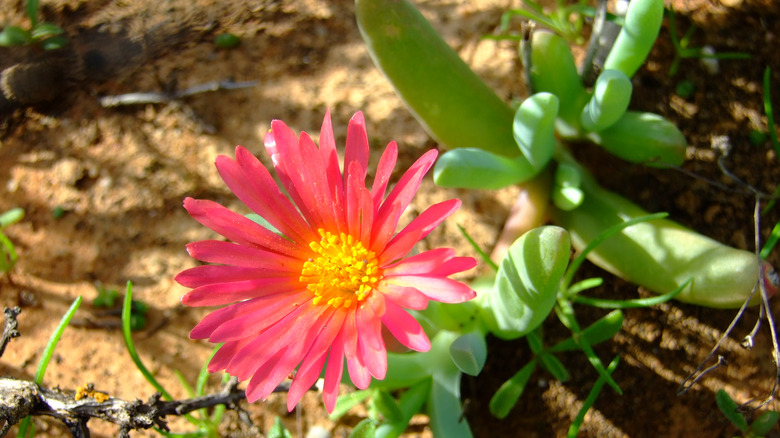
[[342, 273]]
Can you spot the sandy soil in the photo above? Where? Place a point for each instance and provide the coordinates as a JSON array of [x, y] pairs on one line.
[[120, 174]]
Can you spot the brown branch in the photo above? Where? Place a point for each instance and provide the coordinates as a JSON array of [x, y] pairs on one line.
[[20, 398], [9, 329]]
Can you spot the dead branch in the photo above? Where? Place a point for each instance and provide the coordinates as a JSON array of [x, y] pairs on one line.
[[20, 398], [9, 329]]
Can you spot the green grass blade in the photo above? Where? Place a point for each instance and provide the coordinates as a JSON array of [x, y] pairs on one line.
[[482, 254], [770, 118], [629, 304], [771, 241], [591, 399], [49, 351], [32, 12], [131, 347], [24, 426]]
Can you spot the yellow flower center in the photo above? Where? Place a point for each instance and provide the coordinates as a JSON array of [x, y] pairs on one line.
[[343, 272]]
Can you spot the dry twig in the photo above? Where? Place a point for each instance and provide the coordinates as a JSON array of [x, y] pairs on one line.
[[21, 398]]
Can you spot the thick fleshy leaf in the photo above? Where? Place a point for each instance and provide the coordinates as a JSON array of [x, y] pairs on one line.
[[527, 281]]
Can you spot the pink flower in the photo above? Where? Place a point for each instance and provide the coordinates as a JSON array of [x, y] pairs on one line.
[[322, 291]]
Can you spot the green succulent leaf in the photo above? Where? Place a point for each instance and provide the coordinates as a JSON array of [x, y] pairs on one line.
[[387, 406], [567, 175], [527, 281], [729, 408], [445, 407], [509, 393], [14, 36], [534, 128], [553, 71], [46, 30], [567, 198], [11, 216], [469, 353], [610, 99], [472, 168], [640, 30], [442, 91], [554, 366], [364, 429], [644, 138], [765, 422]]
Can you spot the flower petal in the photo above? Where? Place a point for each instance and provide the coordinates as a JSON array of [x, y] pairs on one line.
[[226, 253], [420, 227], [330, 389], [311, 365], [305, 178], [207, 274], [407, 297], [357, 146], [238, 228], [250, 181], [405, 328], [383, 172], [210, 322], [268, 377], [217, 294], [264, 375], [255, 322], [436, 262], [445, 290], [372, 345], [358, 372], [287, 331], [399, 198], [360, 211], [224, 355]]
